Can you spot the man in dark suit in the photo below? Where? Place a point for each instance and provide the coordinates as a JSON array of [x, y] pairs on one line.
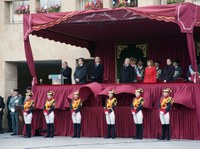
[[8, 112], [80, 74], [168, 72], [127, 72], [66, 71], [2, 106], [97, 71], [178, 70]]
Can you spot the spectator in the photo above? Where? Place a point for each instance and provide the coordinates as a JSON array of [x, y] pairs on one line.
[[8, 112], [150, 73], [2, 106], [15, 100], [158, 70], [133, 63], [66, 71], [80, 74], [168, 72], [178, 71], [126, 72], [140, 70], [97, 71]]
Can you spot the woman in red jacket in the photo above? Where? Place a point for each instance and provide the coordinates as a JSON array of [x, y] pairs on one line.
[[150, 73]]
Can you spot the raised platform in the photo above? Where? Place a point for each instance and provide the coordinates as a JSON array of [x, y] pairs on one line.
[[185, 114]]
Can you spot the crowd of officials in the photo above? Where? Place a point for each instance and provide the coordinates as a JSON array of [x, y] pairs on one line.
[[132, 71]]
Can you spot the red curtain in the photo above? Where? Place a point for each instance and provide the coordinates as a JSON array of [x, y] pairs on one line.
[[192, 51], [175, 49], [30, 61], [185, 114], [27, 48], [106, 51]]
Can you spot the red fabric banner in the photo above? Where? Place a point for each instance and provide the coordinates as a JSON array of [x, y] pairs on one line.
[[185, 114]]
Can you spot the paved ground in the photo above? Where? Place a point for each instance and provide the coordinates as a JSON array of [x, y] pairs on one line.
[[18, 142]]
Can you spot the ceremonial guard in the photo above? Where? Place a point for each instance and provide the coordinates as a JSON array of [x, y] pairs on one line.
[[110, 113], [136, 108], [49, 114], [75, 108], [28, 107], [165, 106]]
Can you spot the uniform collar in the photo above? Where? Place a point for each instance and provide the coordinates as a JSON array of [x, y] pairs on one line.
[[138, 97]]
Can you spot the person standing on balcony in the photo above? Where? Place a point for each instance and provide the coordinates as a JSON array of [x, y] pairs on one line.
[[140, 71], [66, 72], [110, 105], [158, 70], [177, 71], [168, 72], [133, 63], [126, 72], [150, 73], [97, 71], [80, 74]]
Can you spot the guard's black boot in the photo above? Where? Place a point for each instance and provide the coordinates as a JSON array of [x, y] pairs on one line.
[[48, 131], [75, 131], [79, 130], [140, 131], [163, 132], [113, 132], [26, 136], [168, 131], [136, 132], [29, 130], [52, 130], [108, 131]]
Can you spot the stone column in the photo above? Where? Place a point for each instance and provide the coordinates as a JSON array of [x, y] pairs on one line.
[[191, 1], [34, 4], [70, 5], [107, 4], [8, 81], [148, 2]]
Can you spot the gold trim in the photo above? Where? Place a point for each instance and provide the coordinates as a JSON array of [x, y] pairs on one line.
[[143, 47]]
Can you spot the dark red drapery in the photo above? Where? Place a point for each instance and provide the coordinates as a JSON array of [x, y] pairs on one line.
[[185, 114], [107, 53], [175, 49]]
